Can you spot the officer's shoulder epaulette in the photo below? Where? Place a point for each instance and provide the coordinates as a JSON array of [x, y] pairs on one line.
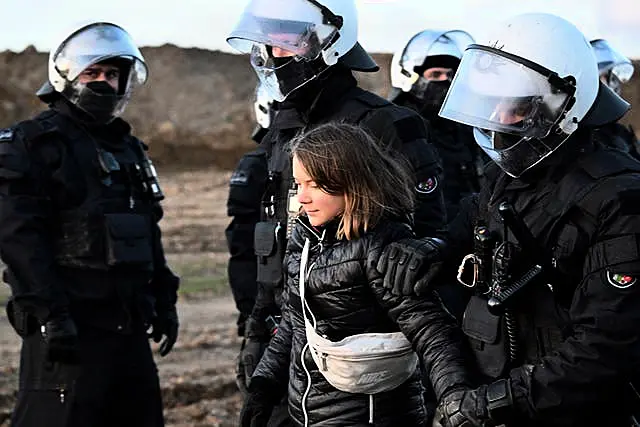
[[14, 162], [369, 98], [411, 127], [6, 135], [605, 163], [34, 129]]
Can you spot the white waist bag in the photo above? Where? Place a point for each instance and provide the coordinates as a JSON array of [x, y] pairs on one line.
[[363, 363]]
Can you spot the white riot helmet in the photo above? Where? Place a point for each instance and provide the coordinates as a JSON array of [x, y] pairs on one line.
[[615, 68], [316, 33], [526, 88], [425, 50], [100, 42], [407, 62], [263, 106]]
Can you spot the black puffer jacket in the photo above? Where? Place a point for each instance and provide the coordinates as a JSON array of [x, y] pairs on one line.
[[345, 294]]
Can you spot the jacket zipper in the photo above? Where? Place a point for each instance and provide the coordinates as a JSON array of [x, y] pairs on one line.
[[319, 237], [395, 353], [306, 346]]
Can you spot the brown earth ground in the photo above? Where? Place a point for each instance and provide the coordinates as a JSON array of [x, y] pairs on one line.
[[197, 377]]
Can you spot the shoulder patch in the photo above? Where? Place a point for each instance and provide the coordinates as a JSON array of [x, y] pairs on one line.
[[620, 281], [239, 178], [427, 186], [6, 135]]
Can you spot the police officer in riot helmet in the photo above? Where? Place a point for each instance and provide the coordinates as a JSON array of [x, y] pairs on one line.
[[80, 239], [246, 186], [615, 70], [304, 53], [421, 75], [243, 205], [548, 249]]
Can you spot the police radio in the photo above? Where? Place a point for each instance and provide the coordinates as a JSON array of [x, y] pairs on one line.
[[293, 208], [149, 178]]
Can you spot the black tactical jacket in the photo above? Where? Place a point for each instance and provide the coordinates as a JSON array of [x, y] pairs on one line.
[[78, 231], [578, 344], [619, 136]]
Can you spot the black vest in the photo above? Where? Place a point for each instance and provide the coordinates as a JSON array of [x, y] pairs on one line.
[[109, 225]]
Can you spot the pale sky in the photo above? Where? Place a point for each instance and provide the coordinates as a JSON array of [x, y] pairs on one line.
[[385, 25]]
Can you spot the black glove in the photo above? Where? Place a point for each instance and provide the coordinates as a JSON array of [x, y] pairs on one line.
[[60, 337], [259, 404], [486, 406], [257, 337], [255, 411], [250, 354], [165, 324], [241, 376], [408, 265]]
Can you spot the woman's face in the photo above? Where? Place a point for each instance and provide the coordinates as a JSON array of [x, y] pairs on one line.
[[319, 206]]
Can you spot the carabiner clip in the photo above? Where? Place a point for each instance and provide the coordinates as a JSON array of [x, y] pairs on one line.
[[473, 259]]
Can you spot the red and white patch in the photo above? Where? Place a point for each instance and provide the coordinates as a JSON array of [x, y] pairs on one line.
[[428, 186], [620, 281]]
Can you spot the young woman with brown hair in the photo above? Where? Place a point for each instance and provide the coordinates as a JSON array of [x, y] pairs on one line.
[[350, 356]]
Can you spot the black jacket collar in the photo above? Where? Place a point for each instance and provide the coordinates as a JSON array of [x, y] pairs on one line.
[[325, 234], [551, 169], [112, 135]]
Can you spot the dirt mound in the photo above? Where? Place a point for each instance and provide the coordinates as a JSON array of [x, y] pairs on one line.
[[195, 110]]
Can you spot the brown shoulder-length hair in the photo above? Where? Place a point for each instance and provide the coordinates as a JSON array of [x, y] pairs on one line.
[[347, 160]]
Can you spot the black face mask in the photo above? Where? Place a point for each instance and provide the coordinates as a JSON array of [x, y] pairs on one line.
[[433, 97], [99, 100]]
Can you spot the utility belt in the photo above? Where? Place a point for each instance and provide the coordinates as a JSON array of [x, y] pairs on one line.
[[105, 242], [364, 363]]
